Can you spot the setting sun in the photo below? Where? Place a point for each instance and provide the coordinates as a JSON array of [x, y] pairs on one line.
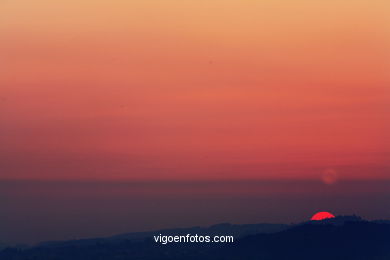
[[322, 215]]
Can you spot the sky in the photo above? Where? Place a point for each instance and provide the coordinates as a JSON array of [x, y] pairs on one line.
[[194, 89], [190, 90]]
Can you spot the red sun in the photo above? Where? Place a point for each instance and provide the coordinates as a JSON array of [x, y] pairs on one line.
[[322, 215]]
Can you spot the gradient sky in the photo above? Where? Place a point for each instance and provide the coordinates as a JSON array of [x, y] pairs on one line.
[[290, 93], [191, 89]]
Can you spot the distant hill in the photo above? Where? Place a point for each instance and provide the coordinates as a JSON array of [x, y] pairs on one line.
[[340, 238], [352, 240], [220, 229], [339, 220]]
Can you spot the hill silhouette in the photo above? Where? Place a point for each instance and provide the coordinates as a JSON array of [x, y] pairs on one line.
[[218, 229], [339, 238]]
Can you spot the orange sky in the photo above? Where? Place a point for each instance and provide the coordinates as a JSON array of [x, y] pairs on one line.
[[189, 89]]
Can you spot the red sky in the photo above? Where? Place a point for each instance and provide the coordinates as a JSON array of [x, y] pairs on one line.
[[173, 89]]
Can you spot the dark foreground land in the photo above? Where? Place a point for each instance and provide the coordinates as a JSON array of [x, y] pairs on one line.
[[333, 239]]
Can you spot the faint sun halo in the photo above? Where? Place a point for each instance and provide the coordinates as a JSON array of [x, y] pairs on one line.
[[329, 176]]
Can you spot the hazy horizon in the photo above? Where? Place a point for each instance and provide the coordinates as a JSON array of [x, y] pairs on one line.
[[35, 211]]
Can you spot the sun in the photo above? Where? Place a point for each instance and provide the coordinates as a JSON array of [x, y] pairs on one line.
[[322, 215]]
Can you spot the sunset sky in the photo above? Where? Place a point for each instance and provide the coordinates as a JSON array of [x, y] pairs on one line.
[[174, 89], [186, 102]]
